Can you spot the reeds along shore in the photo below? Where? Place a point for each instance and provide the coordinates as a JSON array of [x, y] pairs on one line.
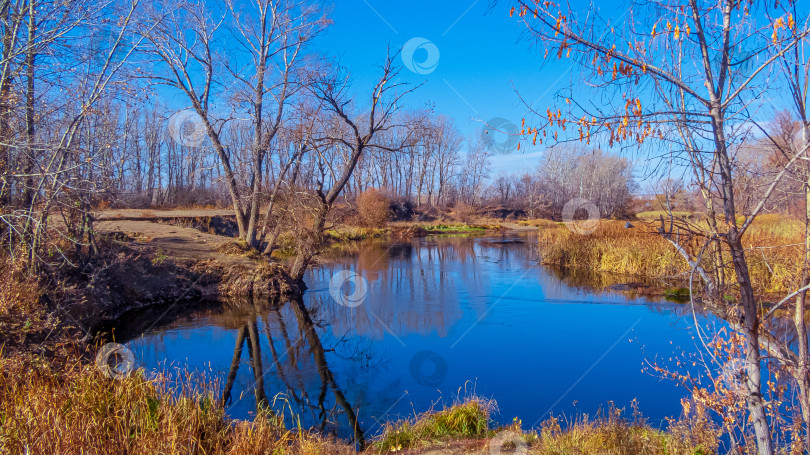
[[773, 243], [74, 408]]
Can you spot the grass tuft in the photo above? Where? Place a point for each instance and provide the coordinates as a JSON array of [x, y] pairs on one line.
[[466, 420], [238, 248]]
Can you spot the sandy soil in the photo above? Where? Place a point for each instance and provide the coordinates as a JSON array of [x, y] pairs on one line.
[[179, 243], [120, 214]]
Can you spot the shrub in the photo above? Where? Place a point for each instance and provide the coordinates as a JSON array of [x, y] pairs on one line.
[[401, 210], [23, 319], [372, 209], [464, 212]]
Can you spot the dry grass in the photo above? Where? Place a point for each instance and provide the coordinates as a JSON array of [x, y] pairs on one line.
[[616, 436], [24, 319], [464, 212], [654, 215], [47, 410], [466, 420], [238, 248], [773, 251], [73, 408], [439, 227], [693, 433], [611, 248], [345, 233], [540, 222]]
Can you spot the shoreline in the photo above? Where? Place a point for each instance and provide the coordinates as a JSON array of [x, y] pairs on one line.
[[165, 279]]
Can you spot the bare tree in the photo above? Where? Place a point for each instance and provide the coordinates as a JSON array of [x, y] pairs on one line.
[[53, 170], [273, 35], [355, 134], [474, 172], [568, 172], [683, 77]]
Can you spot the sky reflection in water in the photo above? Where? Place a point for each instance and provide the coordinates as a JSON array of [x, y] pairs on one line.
[[442, 316]]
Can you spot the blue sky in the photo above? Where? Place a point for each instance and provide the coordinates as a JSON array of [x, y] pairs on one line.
[[482, 60], [484, 64]]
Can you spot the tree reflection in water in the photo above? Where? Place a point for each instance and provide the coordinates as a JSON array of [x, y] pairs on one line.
[[299, 346]]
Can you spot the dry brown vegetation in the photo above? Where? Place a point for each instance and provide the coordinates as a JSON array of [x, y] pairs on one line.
[[773, 243], [48, 410], [373, 208], [61, 403], [23, 318], [73, 408]]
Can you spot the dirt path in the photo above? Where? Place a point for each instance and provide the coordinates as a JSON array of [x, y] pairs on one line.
[[146, 214], [178, 243]]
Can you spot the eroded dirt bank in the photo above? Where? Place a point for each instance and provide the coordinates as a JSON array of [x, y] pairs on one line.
[[153, 263]]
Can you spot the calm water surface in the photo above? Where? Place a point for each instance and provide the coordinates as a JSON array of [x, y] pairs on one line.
[[442, 317]]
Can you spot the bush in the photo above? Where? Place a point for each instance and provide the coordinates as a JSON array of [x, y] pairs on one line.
[[372, 209], [464, 212], [401, 210]]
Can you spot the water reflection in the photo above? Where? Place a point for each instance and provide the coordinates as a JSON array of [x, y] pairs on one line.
[[440, 314], [294, 351]]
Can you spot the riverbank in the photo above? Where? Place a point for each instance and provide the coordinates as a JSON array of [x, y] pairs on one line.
[[71, 407], [135, 265], [773, 243], [409, 229], [201, 243], [91, 412], [162, 259]]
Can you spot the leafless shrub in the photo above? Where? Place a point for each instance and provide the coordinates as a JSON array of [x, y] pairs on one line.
[[464, 212], [373, 208]]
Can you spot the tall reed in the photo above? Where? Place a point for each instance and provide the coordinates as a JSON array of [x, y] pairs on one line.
[[773, 249]]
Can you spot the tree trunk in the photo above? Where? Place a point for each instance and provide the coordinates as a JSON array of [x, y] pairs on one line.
[[309, 247], [319, 355], [258, 151], [30, 57], [756, 405], [254, 349], [803, 364], [5, 100]]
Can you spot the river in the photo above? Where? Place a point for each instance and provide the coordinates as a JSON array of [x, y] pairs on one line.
[[427, 322]]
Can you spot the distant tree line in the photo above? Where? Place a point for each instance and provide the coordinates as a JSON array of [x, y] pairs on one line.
[[156, 104], [150, 161], [569, 172]]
